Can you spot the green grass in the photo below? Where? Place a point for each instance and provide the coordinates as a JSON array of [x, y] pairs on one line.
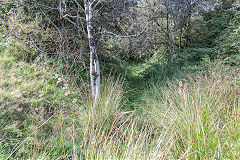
[[206, 114], [187, 113], [30, 94], [41, 118]]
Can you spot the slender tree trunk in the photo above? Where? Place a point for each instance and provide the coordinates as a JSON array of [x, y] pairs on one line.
[[180, 40], [187, 36], [168, 23], [168, 32], [94, 59], [174, 41]]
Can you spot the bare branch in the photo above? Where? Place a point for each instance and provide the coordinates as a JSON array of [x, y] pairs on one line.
[[127, 36], [99, 1], [51, 21], [68, 15], [81, 28], [98, 10], [79, 5]]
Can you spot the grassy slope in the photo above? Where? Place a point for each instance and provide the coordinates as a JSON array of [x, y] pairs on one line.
[[174, 115], [42, 118], [30, 95]]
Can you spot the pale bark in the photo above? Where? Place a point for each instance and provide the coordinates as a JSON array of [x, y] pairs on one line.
[[94, 59]]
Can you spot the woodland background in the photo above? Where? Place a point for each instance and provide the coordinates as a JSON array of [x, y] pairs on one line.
[[170, 80]]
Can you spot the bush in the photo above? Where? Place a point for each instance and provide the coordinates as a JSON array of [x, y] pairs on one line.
[[227, 45]]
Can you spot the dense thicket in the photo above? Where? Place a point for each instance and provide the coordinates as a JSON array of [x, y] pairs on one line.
[[121, 28]]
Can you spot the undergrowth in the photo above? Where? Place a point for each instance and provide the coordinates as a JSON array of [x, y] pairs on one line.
[[191, 116]]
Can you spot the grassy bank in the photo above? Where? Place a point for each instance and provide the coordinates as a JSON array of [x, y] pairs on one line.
[[195, 115]]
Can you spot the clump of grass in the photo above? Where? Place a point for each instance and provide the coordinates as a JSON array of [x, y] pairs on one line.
[[105, 131], [112, 133], [206, 107]]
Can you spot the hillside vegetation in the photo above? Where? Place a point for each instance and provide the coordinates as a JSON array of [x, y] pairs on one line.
[[162, 96], [196, 117]]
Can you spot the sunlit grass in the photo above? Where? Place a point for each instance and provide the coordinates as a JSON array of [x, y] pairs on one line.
[[44, 117], [206, 107]]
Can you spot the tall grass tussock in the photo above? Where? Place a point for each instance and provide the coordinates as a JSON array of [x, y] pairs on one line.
[[206, 114]]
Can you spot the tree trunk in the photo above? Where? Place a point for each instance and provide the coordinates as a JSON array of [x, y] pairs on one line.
[[94, 59], [180, 40], [174, 41]]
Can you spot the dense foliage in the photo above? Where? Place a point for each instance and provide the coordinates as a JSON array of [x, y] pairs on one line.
[[169, 74]]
